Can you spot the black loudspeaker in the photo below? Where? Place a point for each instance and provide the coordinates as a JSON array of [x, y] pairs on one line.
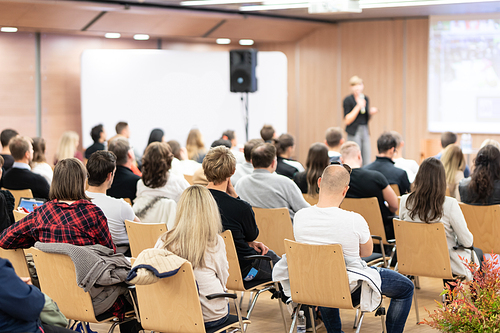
[[242, 65]]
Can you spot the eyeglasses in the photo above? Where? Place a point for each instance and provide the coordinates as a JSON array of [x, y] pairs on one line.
[[347, 167]]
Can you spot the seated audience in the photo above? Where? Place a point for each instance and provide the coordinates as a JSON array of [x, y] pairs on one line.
[[199, 177], [156, 135], [181, 165], [317, 161], [5, 138], [334, 140], [7, 203], [125, 181], [195, 145], [325, 223], [99, 137], [410, 166], [237, 215], [266, 189], [246, 168], [285, 147], [20, 176], [454, 165], [483, 187], [268, 134], [68, 218], [67, 147], [101, 168], [366, 183], [492, 142], [195, 237], [384, 164], [428, 203], [39, 163], [122, 131], [230, 135], [448, 138]]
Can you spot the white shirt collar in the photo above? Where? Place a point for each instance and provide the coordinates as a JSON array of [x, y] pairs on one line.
[[20, 165]]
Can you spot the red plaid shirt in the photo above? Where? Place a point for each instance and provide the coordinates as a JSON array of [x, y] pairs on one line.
[[81, 223]]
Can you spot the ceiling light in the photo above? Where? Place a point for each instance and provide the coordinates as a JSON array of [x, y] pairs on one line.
[[274, 7], [8, 29], [141, 37], [246, 41], [216, 2], [223, 41], [112, 35]]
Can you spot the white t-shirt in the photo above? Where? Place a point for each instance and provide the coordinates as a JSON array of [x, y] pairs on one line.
[[44, 170], [324, 226], [116, 211], [173, 188]]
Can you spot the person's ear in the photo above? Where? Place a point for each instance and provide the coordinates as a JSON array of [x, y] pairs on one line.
[[319, 182]]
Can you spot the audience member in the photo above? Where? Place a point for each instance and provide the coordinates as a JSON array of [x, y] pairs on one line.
[[454, 166], [317, 161], [483, 187], [230, 135], [369, 183], [7, 202], [492, 142], [199, 177], [196, 238], [448, 138], [285, 147], [122, 131], [181, 165], [39, 163], [334, 140], [99, 137], [237, 215], [5, 137], [247, 167], [125, 181], [195, 145], [266, 189], [68, 218], [268, 134], [428, 203], [325, 223], [101, 168], [67, 147], [156, 135], [20, 176], [384, 164], [410, 166]]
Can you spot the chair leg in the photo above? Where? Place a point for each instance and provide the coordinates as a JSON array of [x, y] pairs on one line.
[[112, 328], [294, 318], [360, 321], [313, 322], [249, 301], [384, 328], [417, 282], [281, 308], [238, 311], [416, 303], [241, 298], [356, 318], [84, 327], [254, 300]]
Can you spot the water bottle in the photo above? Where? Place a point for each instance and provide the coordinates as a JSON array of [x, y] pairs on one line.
[[301, 322], [466, 143]]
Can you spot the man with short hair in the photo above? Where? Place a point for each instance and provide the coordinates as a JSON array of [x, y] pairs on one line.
[[20, 176], [101, 168], [199, 177], [125, 181], [268, 133], [266, 189], [247, 167], [237, 215], [333, 141], [99, 137], [325, 223], [230, 135], [410, 166], [5, 137], [386, 145]]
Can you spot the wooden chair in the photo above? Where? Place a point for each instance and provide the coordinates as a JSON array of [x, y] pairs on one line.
[[19, 215], [189, 179], [128, 200], [57, 276], [310, 199], [484, 223], [308, 265], [143, 235], [172, 305], [235, 281], [274, 225], [18, 261], [18, 194], [395, 188]]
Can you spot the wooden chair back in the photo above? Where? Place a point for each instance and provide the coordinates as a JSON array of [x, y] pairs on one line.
[[171, 304], [235, 280], [484, 223], [143, 236], [395, 188], [19, 215], [274, 225], [370, 210], [18, 261], [18, 194], [308, 265], [189, 179], [422, 249], [310, 199], [57, 276], [128, 200]]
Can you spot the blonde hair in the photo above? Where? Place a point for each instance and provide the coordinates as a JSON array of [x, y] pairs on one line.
[[355, 80], [453, 160], [349, 149], [197, 225], [219, 164], [490, 142], [67, 145], [194, 144]]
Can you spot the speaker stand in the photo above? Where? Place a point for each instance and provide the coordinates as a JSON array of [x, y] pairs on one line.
[[244, 108]]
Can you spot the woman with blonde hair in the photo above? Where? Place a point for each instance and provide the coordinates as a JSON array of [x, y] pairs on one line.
[[195, 237], [67, 147], [454, 166], [195, 146]]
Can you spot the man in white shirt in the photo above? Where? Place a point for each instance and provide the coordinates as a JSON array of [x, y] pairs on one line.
[[101, 168], [410, 166], [247, 167], [325, 223]]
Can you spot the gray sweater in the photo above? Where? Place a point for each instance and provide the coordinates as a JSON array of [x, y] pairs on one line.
[[269, 190]]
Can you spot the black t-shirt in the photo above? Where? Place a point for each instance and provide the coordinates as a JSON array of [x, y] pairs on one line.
[[8, 161], [124, 184], [467, 197], [300, 178], [238, 216], [393, 174], [285, 169], [361, 119]]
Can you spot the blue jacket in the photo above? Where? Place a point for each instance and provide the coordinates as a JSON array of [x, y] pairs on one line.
[[20, 303]]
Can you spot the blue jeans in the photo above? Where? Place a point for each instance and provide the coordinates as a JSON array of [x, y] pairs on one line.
[[215, 323], [264, 268], [395, 286]]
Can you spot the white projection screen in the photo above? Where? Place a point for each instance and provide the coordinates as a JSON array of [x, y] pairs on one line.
[[177, 91], [464, 74]]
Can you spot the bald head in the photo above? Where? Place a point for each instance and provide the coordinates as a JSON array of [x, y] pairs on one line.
[[334, 180]]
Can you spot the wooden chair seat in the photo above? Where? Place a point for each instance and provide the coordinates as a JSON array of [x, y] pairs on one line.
[[484, 223]]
